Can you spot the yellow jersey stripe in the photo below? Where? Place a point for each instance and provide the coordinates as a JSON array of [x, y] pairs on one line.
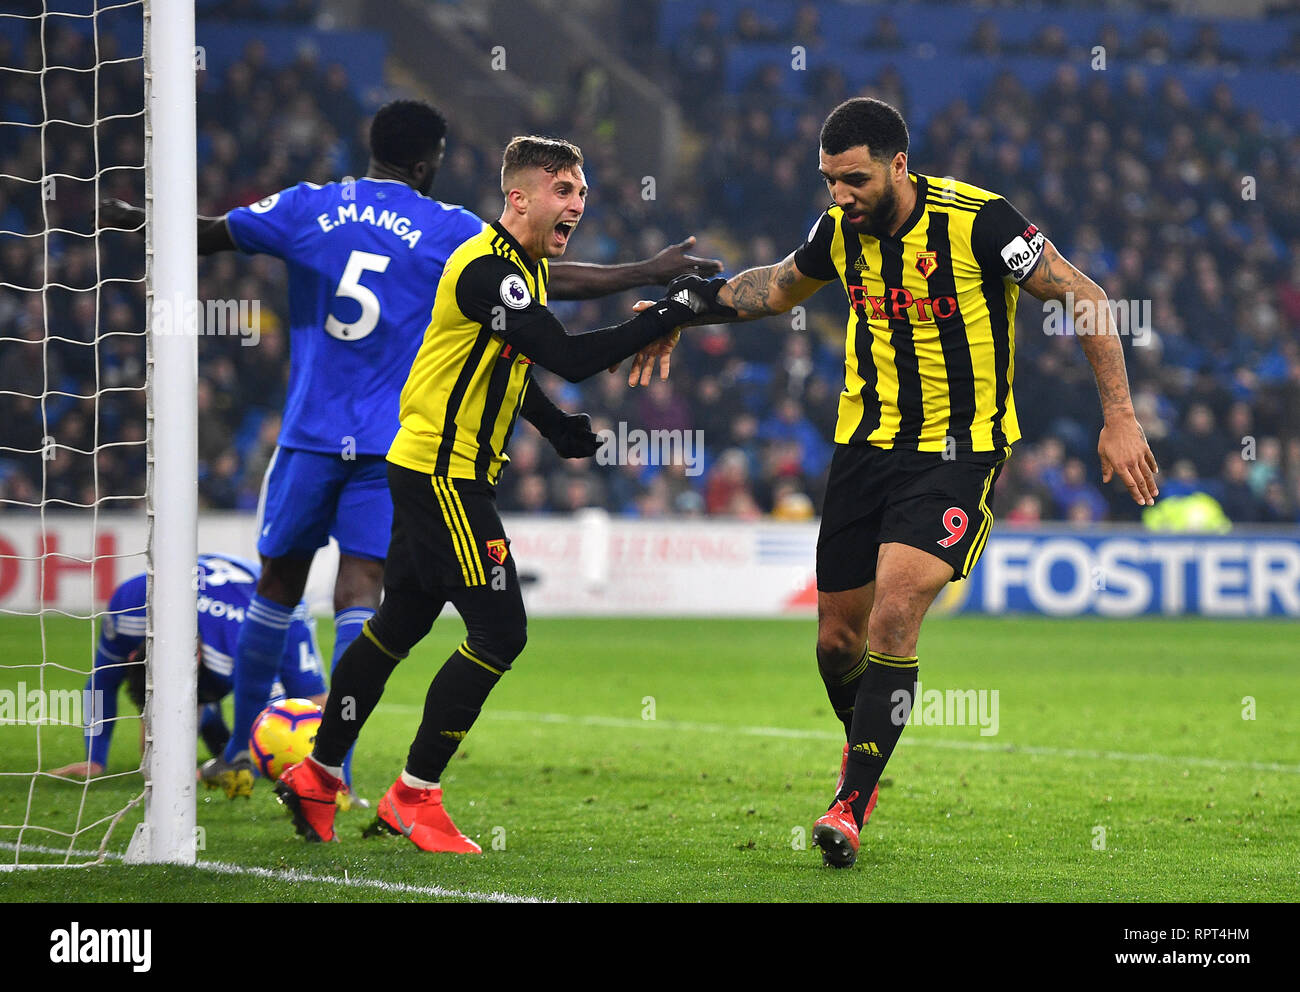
[[854, 383], [894, 379], [932, 374], [953, 334]]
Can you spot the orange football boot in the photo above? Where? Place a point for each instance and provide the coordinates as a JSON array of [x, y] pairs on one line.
[[836, 834], [310, 792], [419, 816]]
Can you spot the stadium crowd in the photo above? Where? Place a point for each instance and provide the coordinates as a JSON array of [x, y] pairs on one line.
[[1187, 213]]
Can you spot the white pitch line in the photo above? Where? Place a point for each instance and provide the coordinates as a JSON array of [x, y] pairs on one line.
[[293, 876], [627, 723]]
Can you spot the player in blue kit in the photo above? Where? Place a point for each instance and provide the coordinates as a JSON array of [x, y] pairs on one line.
[[364, 262], [225, 589]]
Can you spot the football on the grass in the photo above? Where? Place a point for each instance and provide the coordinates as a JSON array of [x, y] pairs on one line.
[[283, 734]]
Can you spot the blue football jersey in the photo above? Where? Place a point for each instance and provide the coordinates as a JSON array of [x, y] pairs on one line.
[[225, 586], [364, 262]]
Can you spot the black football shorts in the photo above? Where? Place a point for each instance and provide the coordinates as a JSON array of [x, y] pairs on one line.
[[448, 545], [446, 535], [878, 496]]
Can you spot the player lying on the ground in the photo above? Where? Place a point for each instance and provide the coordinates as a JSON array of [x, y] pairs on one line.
[[364, 261], [932, 269], [469, 382], [224, 588]]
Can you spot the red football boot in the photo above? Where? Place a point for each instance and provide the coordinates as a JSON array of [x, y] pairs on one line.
[[309, 792], [419, 816], [836, 834]]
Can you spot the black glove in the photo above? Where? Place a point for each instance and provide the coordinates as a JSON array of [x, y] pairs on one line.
[[570, 434], [669, 314], [701, 296], [689, 301], [117, 215], [574, 438]]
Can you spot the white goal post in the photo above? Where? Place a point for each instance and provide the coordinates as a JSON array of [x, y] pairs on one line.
[[74, 86], [168, 831]]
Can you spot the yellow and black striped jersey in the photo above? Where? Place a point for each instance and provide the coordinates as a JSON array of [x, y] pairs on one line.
[[930, 347], [466, 386]]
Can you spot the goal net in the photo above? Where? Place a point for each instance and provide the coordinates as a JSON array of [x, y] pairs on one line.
[[97, 476]]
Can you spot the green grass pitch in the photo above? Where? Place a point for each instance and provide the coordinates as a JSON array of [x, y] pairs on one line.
[[686, 760]]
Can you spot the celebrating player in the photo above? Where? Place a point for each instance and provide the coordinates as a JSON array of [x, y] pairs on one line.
[[932, 269], [225, 590], [364, 259], [470, 381]]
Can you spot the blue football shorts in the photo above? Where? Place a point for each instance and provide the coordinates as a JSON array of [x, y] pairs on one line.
[[309, 497]]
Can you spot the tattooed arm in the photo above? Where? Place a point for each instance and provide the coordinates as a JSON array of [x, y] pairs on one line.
[[1122, 446], [754, 293], [767, 290]]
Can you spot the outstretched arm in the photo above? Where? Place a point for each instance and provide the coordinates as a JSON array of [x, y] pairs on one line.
[[490, 290], [214, 234], [1122, 447], [583, 281], [767, 290], [100, 695], [577, 356], [754, 293]]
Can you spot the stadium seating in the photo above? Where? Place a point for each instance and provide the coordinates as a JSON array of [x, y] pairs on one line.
[[1151, 204]]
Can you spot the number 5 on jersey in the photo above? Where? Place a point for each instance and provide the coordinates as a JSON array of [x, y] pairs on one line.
[[350, 286]]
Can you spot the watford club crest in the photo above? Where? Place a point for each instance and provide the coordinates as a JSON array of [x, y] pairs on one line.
[[497, 551], [926, 262]]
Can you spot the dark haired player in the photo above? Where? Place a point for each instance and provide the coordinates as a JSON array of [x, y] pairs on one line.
[[469, 383], [364, 260], [932, 269], [224, 588]]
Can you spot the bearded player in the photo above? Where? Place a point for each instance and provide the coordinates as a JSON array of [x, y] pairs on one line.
[[932, 269]]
